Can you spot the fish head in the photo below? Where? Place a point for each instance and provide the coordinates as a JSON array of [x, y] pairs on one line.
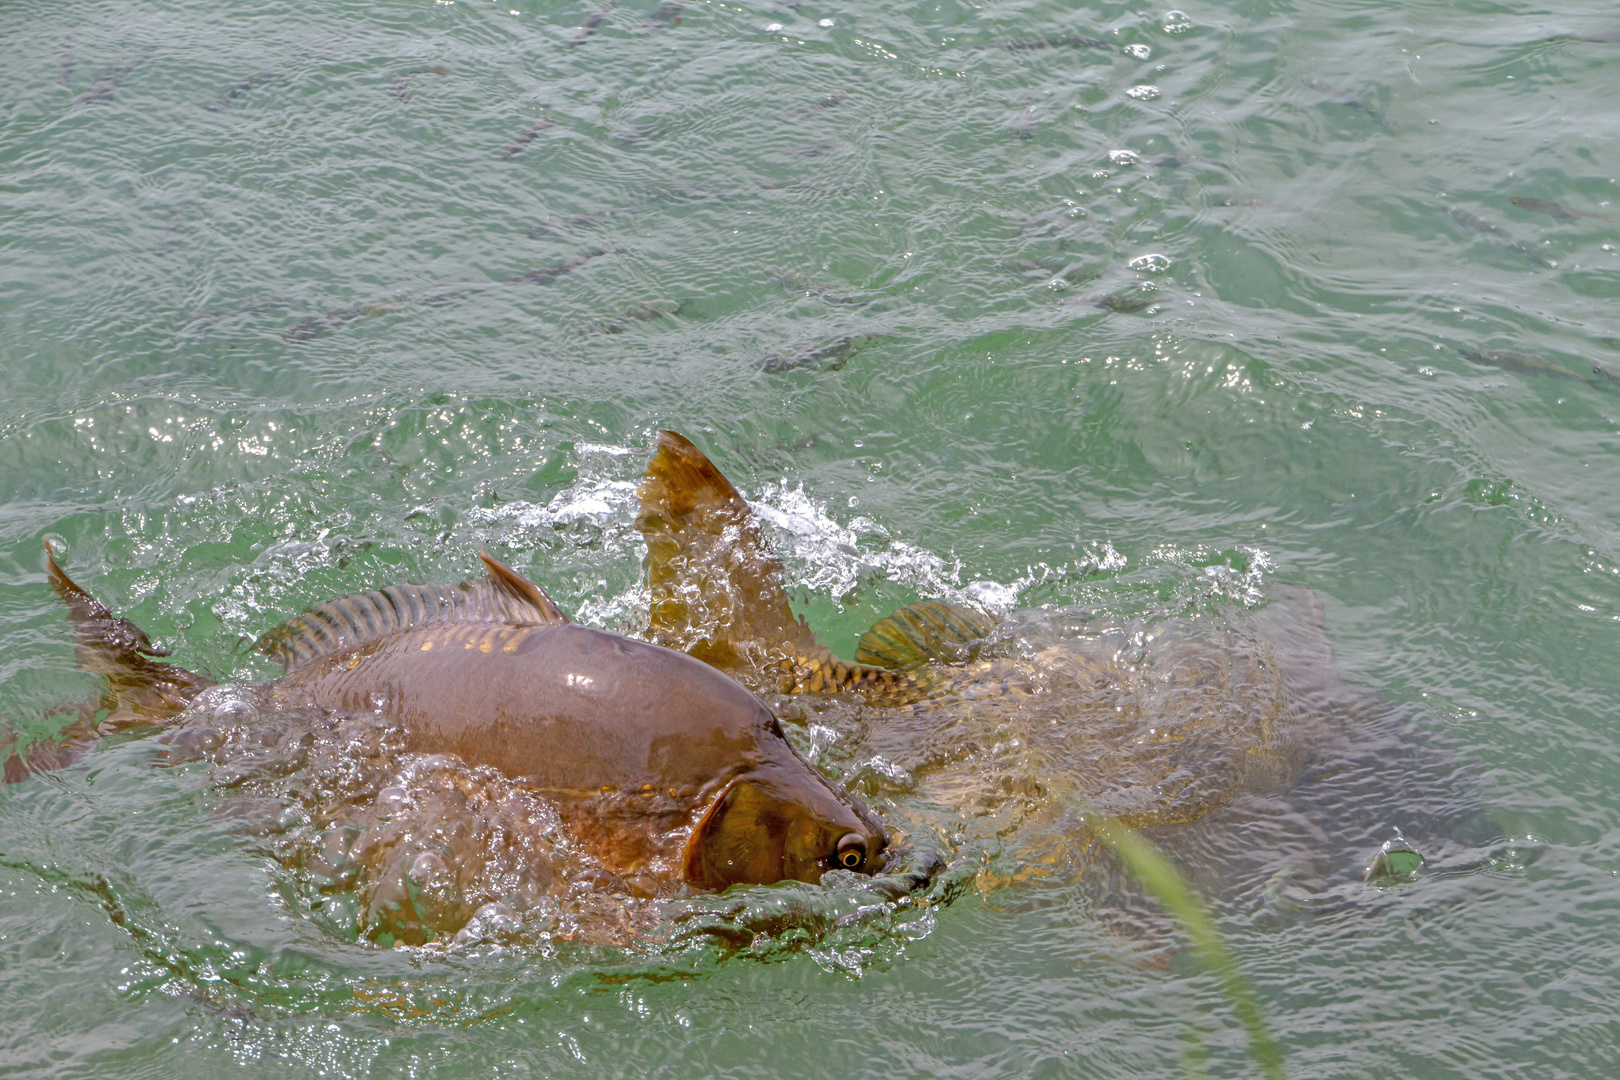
[[778, 823]]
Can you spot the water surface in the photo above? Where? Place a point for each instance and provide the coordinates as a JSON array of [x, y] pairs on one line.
[[299, 301]]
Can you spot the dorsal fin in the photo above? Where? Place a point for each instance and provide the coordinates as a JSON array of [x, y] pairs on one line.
[[521, 591], [505, 597], [920, 632]]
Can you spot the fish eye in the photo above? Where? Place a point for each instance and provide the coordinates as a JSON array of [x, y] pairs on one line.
[[851, 852]]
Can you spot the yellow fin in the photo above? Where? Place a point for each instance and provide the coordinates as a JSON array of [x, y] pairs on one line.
[[716, 587]]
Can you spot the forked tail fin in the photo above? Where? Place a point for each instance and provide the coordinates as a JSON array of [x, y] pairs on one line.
[[717, 589], [139, 690]]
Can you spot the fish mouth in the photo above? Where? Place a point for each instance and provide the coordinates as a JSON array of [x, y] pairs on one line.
[[907, 868]]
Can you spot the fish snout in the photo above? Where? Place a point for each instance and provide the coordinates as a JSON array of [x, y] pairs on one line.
[[770, 825]]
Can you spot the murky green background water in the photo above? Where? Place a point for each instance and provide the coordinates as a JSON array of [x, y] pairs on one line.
[[282, 316]]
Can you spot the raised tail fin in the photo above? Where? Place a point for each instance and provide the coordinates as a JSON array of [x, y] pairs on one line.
[[139, 690], [717, 589]]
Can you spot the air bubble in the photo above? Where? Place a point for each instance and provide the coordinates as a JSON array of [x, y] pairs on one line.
[[1143, 92]]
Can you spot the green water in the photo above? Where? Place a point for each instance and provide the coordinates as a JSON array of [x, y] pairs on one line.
[[267, 338]]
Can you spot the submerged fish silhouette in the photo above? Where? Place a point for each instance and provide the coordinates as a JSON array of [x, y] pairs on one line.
[[1553, 209]]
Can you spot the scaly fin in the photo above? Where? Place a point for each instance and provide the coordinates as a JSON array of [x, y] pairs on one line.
[[920, 632], [504, 598], [140, 691], [717, 588]]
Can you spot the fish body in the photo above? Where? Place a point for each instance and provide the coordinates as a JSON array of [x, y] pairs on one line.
[[236, 90], [1122, 301], [545, 275], [831, 101], [1478, 224], [794, 281], [1485, 228], [639, 313], [1074, 41], [1175, 161], [1530, 364], [1159, 724], [568, 225], [835, 354], [107, 83], [317, 326], [1272, 204], [667, 13], [511, 149], [1344, 99], [654, 761], [1553, 209], [592, 21]]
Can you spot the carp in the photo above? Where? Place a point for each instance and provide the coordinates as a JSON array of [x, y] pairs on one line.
[[664, 769], [1007, 733]]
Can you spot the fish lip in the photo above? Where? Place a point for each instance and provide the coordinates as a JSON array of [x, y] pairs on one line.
[[919, 866]]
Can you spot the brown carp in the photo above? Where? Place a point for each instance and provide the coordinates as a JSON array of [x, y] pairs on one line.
[[1013, 733], [659, 764]]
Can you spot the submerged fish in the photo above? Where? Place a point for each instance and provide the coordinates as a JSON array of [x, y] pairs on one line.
[[1553, 209], [794, 281], [592, 21], [327, 321], [1123, 301], [1075, 41], [1478, 224], [835, 353], [511, 149], [399, 87], [655, 762], [1601, 36], [667, 13], [107, 83], [1530, 364], [1345, 99], [226, 97], [1272, 204], [1010, 733], [432, 296], [831, 101], [545, 275], [638, 313], [566, 226], [1485, 228]]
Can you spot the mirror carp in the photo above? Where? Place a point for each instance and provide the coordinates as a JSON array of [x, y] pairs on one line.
[[655, 760]]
